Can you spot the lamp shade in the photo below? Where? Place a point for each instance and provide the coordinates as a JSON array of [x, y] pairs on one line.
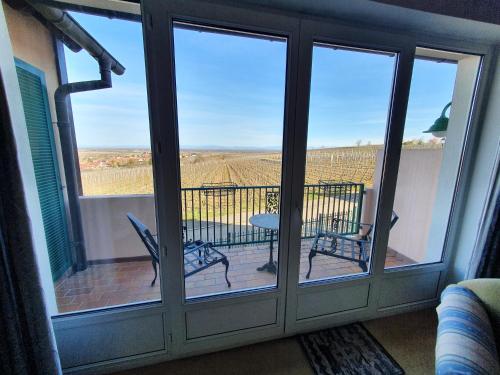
[[438, 129]]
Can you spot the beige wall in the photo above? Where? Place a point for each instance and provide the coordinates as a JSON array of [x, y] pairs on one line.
[[16, 114], [32, 43], [414, 201]]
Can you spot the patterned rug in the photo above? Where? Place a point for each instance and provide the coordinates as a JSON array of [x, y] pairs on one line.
[[347, 350]]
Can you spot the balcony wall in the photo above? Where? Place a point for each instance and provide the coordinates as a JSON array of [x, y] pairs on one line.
[[108, 232], [414, 201], [109, 235]]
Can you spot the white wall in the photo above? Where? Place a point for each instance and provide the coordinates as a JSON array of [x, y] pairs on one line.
[[107, 230], [463, 92], [482, 170], [109, 235], [426, 179], [414, 200]]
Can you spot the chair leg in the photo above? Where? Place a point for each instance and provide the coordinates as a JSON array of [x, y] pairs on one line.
[[362, 256], [312, 254], [363, 266], [226, 263], [156, 273], [334, 245]]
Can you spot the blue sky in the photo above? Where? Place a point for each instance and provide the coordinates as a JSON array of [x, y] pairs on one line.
[[230, 92]]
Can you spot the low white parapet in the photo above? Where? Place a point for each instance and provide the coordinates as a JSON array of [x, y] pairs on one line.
[[108, 232]]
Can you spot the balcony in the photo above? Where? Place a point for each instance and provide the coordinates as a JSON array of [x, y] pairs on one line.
[[120, 283], [119, 267], [120, 270]]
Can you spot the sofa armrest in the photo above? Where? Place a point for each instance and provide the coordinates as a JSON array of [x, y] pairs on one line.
[[488, 291], [465, 342]]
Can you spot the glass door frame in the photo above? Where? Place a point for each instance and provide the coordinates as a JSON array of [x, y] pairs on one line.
[[379, 281], [367, 285], [158, 19]]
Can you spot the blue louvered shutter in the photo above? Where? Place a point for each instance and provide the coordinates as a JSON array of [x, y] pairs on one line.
[[41, 139]]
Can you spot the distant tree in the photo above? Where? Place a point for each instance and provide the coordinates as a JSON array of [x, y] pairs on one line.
[[358, 142]]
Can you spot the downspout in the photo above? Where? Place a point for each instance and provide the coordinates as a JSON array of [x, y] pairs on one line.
[[67, 148], [62, 76], [107, 63]]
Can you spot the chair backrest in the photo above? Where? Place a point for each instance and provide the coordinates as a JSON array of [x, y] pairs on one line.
[[272, 202], [146, 237], [394, 218]]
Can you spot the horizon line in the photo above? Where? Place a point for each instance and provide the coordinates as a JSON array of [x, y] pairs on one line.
[[218, 148]]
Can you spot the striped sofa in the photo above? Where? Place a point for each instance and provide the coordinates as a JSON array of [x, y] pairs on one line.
[[469, 328]]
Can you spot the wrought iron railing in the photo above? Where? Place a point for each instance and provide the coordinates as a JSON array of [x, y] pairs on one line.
[[220, 214]]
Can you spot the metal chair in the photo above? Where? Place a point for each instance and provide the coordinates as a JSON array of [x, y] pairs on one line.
[[149, 241], [352, 247], [198, 255]]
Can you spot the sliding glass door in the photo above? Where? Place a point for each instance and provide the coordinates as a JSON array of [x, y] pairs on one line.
[[222, 100], [284, 182], [349, 120], [349, 105], [230, 89], [283, 194]]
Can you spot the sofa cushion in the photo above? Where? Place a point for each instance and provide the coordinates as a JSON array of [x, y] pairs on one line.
[[465, 342]]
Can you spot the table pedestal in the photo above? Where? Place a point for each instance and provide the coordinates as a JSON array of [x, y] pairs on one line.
[[269, 222], [271, 266]]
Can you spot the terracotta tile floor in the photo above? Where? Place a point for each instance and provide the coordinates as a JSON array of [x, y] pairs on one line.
[[129, 282]]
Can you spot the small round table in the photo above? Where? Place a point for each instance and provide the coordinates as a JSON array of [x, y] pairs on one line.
[[272, 223]]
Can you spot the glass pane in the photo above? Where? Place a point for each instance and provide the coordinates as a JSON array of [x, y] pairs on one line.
[[112, 134], [230, 97], [109, 265], [349, 102], [429, 160]]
